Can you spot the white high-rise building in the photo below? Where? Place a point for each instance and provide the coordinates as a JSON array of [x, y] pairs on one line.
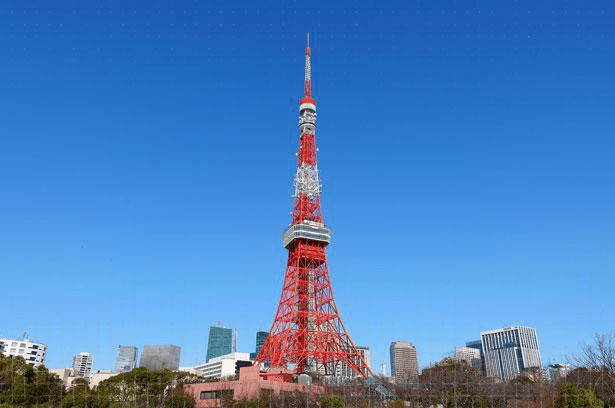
[[510, 350], [34, 353], [82, 364], [343, 371]]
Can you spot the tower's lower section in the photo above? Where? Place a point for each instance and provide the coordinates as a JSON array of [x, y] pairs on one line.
[[307, 334]]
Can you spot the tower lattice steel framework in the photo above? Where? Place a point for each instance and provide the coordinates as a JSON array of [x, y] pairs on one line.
[[307, 334]]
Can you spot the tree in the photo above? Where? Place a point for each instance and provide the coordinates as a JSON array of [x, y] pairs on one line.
[[79, 395], [596, 367], [22, 385], [179, 399], [332, 401], [600, 355], [140, 387], [572, 396], [451, 383]]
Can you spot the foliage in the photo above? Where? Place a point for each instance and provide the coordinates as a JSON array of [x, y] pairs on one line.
[[397, 404], [179, 399], [572, 396], [78, 396], [332, 401], [22, 385], [137, 388]]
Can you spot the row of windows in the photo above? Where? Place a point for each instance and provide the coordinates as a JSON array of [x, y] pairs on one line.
[[207, 395]]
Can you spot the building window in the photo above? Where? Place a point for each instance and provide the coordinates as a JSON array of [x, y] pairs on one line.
[[207, 395]]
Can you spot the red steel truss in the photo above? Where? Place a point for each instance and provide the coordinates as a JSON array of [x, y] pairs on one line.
[[307, 334]]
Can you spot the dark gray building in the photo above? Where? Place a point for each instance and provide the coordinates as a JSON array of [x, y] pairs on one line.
[[156, 357]]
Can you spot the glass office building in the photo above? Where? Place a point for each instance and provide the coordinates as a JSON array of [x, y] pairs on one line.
[[126, 359], [221, 341], [261, 336]]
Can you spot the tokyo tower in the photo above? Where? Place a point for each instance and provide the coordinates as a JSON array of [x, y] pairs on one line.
[[307, 334]]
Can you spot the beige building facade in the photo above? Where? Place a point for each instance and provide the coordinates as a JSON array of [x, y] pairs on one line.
[[404, 362]]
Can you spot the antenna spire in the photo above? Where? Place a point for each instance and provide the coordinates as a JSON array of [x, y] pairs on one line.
[[308, 69]]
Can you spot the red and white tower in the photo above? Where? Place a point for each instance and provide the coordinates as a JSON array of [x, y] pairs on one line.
[[307, 334]]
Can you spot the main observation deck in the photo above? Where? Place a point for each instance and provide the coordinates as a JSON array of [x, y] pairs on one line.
[[311, 230]]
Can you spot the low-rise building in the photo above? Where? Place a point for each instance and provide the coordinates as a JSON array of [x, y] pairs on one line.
[[251, 385], [221, 367]]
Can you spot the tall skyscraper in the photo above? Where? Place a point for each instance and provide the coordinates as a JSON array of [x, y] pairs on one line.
[[126, 358], [261, 336], [509, 351], [34, 353], [221, 341], [404, 362], [82, 364], [156, 357]]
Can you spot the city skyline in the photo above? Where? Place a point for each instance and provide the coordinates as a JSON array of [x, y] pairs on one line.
[[456, 142]]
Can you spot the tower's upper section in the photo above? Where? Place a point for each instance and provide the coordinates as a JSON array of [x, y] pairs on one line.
[[307, 222]]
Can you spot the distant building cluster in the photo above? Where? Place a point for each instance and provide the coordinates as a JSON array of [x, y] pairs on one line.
[[503, 353]]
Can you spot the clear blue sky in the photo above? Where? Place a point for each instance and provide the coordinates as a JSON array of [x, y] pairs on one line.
[[147, 155]]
